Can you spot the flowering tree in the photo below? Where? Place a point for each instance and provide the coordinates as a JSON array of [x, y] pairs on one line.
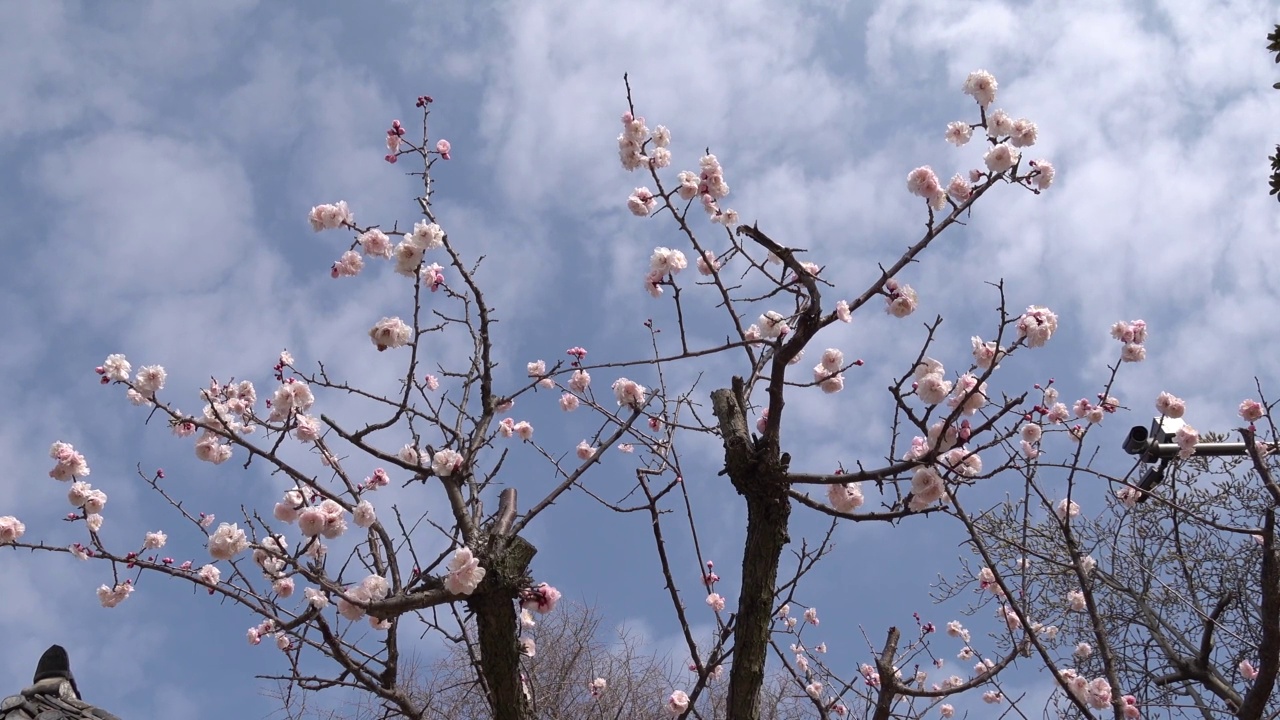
[[448, 433]]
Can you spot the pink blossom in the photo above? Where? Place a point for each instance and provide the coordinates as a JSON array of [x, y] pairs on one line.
[[678, 702], [641, 202], [1001, 158], [150, 379], [814, 689], [390, 333], [982, 86], [316, 598], [210, 449], [350, 604], [947, 711], [923, 181], [209, 575], [335, 523], [11, 528], [585, 450], [1170, 406], [1247, 671], [464, 573], [926, 488], [348, 265], [629, 393], [708, 264], [569, 402], [1076, 601], [541, 598], [1186, 438], [968, 395], [843, 312], [845, 498], [307, 428], [445, 462], [999, 124], [443, 147], [283, 587], [1251, 410], [115, 367], [364, 514], [311, 521], [523, 430], [1066, 508], [1133, 352], [227, 541], [811, 616], [959, 189], [715, 601], [958, 133], [1042, 174], [426, 236], [1099, 694], [375, 243], [154, 540]]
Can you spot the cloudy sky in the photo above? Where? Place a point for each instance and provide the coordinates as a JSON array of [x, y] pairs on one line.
[[159, 160]]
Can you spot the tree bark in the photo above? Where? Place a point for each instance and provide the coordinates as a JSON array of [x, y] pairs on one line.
[[759, 475], [494, 606]]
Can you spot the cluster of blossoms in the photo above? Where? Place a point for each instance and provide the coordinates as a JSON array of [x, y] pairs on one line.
[[1094, 413], [631, 144], [331, 217], [930, 385], [664, 263], [69, 464], [827, 373], [265, 629], [900, 300], [353, 599], [1133, 335], [1037, 325], [375, 243], [1007, 137], [522, 429], [1097, 693], [113, 596]]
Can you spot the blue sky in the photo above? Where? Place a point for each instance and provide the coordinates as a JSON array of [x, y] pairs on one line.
[[160, 159]]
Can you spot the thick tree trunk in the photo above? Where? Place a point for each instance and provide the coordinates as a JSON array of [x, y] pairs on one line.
[[759, 475], [494, 606]]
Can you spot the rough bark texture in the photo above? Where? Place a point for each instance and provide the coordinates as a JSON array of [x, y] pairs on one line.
[[494, 606], [759, 475]]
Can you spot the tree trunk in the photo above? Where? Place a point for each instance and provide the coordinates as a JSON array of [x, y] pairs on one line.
[[760, 476], [494, 606]]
